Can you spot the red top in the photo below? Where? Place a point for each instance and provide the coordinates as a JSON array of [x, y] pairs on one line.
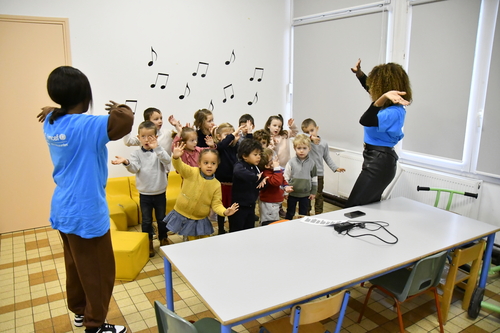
[[273, 192]]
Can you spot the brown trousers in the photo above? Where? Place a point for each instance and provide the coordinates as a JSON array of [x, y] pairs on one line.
[[90, 276]]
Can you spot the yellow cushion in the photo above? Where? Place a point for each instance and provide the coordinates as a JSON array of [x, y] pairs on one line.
[[112, 225], [118, 216], [173, 189], [118, 193], [131, 251]]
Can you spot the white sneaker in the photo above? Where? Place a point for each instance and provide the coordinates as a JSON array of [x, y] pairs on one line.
[[108, 328], [78, 321]]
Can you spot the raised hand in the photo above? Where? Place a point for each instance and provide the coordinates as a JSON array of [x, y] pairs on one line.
[[357, 67], [231, 210], [152, 141], [209, 140], [291, 121], [262, 182], [111, 105], [178, 149], [45, 111], [249, 126]]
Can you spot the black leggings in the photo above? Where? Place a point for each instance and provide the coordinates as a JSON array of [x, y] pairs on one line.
[[379, 169]]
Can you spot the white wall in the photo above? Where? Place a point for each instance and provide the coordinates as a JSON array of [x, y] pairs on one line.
[[111, 43]]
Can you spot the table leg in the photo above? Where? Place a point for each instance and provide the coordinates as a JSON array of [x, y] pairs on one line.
[[169, 289], [486, 260], [225, 329]]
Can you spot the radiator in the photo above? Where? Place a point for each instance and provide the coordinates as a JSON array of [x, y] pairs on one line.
[[409, 177]]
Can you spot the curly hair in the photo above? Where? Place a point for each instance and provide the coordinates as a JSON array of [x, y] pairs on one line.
[[387, 77]]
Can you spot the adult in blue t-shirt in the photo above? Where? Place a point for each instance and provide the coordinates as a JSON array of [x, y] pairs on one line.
[[389, 87], [77, 145]]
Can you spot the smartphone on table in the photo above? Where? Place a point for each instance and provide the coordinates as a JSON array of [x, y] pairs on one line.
[[354, 214]]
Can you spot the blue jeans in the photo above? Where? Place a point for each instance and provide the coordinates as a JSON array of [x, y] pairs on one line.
[[157, 202]]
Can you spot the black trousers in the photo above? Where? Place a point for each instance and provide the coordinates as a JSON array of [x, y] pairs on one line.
[[158, 203], [243, 219], [379, 169]]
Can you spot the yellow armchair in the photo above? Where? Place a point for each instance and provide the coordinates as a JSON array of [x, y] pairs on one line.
[[118, 194]]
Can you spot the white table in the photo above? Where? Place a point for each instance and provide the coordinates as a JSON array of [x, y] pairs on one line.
[[245, 275]]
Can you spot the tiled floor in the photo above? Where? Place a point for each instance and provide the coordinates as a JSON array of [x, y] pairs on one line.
[[33, 296]]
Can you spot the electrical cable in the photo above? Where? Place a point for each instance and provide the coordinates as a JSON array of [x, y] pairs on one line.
[[363, 225]]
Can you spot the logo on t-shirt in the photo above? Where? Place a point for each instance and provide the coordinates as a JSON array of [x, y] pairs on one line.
[[58, 140]]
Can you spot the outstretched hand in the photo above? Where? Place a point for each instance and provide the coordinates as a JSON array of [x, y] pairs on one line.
[[357, 67], [231, 210], [45, 111], [178, 149], [119, 160], [262, 182], [111, 105], [396, 97]]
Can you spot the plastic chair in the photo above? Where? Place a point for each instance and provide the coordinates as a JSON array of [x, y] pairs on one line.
[[456, 276], [306, 316], [405, 284], [170, 322]]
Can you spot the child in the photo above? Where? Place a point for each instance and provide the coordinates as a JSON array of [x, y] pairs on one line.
[[247, 181], [77, 145], [301, 173], [149, 165], [271, 196], [247, 120], [227, 146], [164, 139], [189, 137], [200, 192], [264, 138], [279, 137], [319, 152], [204, 123]]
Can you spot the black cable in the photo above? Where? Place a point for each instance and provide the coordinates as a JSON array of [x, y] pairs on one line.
[[379, 224]]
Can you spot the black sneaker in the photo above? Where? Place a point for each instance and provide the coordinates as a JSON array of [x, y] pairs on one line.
[[78, 321], [108, 328]]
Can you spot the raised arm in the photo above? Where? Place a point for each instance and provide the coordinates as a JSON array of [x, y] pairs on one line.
[[121, 119]]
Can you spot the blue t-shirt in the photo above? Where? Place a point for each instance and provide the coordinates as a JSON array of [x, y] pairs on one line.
[[390, 127], [77, 145]]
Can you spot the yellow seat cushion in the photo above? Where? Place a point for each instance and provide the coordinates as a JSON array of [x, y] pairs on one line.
[[117, 214], [131, 251], [118, 193], [173, 189]]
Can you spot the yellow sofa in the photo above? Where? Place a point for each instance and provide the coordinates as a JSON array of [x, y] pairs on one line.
[[118, 195], [131, 252], [131, 249]]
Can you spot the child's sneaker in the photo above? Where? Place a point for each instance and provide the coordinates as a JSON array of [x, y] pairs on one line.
[[108, 328], [78, 322]]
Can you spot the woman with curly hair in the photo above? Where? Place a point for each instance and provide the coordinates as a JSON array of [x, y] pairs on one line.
[[390, 91]]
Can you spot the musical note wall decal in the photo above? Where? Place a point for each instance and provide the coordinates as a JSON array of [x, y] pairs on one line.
[[162, 75], [211, 106], [255, 100], [187, 92], [156, 57], [230, 96], [203, 65], [258, 71], [132, 102], [232, 58]]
